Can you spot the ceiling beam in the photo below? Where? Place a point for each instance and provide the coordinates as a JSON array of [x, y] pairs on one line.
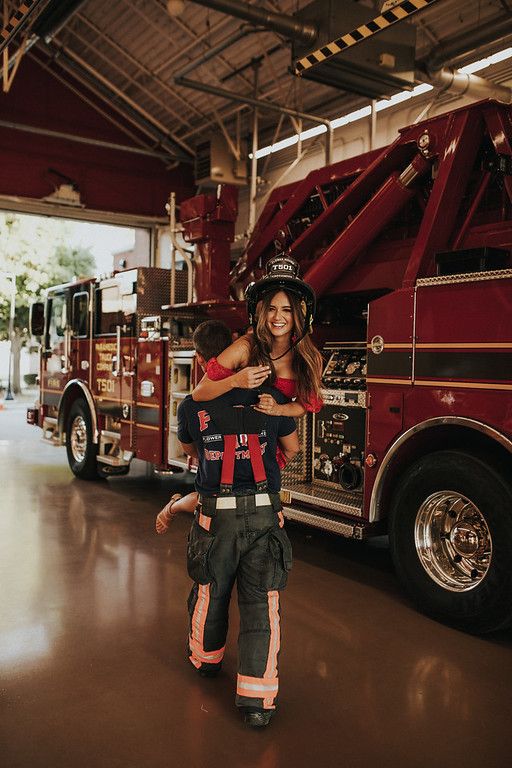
[[176, 147], [93, 49]]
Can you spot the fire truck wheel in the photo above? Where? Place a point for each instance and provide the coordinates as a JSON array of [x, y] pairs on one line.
[[80, 448], [451, 540]]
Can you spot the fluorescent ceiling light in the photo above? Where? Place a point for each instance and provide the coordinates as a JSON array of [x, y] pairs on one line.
[[315, 131], [352, 117], [477, 66], [380, 106]]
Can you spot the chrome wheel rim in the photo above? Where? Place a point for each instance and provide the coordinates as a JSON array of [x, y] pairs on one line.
[[78, 439], [453, 541]]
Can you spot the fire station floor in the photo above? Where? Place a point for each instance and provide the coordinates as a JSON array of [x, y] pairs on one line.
[[93, 625]]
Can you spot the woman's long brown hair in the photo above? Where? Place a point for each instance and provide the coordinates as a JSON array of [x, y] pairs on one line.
[[306, 359]]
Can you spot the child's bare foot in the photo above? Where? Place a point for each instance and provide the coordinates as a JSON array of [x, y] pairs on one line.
[[163, 519]]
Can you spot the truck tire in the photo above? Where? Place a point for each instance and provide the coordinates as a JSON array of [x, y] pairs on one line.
[[451, 540], [80, 448]]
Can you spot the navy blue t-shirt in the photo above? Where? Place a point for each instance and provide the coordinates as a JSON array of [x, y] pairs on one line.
[[200, 423]]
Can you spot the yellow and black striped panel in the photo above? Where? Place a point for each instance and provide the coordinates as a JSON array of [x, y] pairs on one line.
[[16, 18], [398, 13]]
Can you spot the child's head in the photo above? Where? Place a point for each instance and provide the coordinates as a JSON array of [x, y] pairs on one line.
[[210, 339]]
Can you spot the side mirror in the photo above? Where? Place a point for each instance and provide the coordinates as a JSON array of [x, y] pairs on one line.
[[36, 318]]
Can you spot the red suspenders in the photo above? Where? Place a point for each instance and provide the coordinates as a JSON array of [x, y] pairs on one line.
[[228, 464]]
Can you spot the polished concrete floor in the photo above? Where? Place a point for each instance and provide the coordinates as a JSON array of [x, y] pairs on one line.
[[92, 644]]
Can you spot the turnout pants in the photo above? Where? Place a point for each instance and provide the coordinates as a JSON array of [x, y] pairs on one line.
[[242, 539]]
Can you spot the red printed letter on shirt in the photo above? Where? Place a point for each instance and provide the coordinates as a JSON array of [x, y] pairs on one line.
[[203, 420]]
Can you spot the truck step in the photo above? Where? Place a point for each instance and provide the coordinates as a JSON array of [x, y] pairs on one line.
[[348, 528], [113, 461], [343, 502]]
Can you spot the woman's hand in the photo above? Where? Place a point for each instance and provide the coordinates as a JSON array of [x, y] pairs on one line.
[[268, 405], [251, 377]]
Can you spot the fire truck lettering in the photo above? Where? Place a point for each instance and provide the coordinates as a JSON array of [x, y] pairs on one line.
[[104, 357], [105, 385]]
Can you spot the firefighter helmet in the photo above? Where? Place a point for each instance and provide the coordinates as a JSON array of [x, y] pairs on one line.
[[282, 274]]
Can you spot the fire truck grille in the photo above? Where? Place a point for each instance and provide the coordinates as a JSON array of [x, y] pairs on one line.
[[153, 290], [298, 471], [180, 290]]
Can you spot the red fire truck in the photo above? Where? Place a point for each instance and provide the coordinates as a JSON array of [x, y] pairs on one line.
[[408, 250]]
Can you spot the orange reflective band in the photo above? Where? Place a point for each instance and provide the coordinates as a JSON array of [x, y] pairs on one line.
[[274, 643], [256, 687], [198, 654], [204, 521], [210, 657], [198, 619]]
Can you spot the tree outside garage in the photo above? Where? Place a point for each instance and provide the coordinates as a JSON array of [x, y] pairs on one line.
[[36, 253]]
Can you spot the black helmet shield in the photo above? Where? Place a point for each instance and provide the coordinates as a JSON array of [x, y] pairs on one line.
[[282, 274]]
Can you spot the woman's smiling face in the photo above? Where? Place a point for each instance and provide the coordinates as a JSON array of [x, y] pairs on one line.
[[279, 315]]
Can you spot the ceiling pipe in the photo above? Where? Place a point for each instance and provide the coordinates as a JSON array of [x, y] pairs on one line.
[[268, 105], [82, 139], [433, 69], [487, 33], [276, 22], [452, 81], [212, 52], [265, 105]]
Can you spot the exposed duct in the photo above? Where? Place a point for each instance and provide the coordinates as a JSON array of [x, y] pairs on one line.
[[433, 69], [54, 17], [276, 22], [462, 45], [476, 87]]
